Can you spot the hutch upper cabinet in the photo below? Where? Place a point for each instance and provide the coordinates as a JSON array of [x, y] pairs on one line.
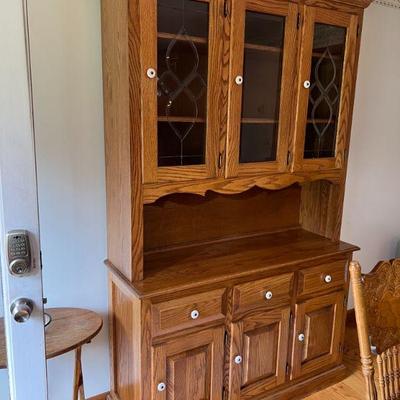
[[327, 75], [262, 59], [181, 57], [227, 126]]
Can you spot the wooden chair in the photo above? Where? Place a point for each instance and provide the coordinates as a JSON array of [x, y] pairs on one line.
[[377, 310]]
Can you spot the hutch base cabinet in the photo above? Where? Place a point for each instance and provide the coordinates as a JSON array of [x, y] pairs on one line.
[[227, 129]]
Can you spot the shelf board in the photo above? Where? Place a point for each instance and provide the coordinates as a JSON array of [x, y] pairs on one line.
[[182, 38], [261, 47], [164, 118], [186, 268], [259, 121]]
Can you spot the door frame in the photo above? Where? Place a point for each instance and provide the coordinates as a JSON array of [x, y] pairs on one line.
[[19, 204]]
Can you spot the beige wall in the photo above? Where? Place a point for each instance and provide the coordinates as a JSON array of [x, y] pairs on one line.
[[372, 203]]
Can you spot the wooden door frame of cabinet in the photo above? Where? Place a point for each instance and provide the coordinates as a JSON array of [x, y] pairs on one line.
[[212, 337], [238, 13], [152, 173], [310, 16], [238, 329], [318, 364]]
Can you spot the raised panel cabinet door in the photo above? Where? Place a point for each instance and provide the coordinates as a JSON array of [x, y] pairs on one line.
[[261, 82], [181, 50], [190, 367], [258, 353], [317, 334], [326, 88]]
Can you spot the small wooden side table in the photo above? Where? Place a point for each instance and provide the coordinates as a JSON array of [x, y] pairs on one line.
[[69, 329]]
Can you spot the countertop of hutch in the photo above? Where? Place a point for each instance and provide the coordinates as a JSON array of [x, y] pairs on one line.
[[186, 268]]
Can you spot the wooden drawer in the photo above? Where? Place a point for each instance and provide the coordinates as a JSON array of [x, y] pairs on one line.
[[322, 277], [187, 312], [264, 293]]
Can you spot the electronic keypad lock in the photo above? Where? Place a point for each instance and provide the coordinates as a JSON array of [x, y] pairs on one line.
[[19, 252]]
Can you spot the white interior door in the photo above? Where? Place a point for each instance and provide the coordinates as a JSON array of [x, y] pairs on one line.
[[22, 283]]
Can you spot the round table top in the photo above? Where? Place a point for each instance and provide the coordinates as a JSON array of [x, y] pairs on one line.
[[69, 329]]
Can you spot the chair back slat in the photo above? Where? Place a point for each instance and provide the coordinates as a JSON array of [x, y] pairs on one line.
[[396, 371], [381, 378]]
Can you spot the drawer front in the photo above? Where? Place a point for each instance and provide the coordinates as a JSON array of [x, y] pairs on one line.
[[264, 293], [322, 277], [187, 312]]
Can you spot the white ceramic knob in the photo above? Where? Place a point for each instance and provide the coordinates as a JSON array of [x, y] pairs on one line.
[[161, 387], [239, 80], [151, 73], [328, 279], [307, 84], [268, 295], [301, 337], [194, 314], [238, 359]]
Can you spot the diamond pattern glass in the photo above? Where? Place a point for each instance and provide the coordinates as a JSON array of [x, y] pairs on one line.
[[182, 81], [324, 99]]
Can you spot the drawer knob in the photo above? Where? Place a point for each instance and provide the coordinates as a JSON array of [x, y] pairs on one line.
[[307, 84], [194, 314], [268, 295], [238, 359], [301, 337], [151, 73], [239, 80], [161, 387], [328, 279]]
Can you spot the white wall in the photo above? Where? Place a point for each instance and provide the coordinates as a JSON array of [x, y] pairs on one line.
[[372, 203], [66, 58]]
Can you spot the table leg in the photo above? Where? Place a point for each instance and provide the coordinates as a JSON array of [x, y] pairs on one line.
[[79, 391]]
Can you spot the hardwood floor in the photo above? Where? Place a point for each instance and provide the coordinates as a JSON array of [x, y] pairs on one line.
[[351, 388]]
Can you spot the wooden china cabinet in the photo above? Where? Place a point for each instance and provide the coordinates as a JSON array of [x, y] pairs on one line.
[[227, 127]]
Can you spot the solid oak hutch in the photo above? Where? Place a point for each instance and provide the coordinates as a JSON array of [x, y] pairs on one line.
[[227, 133]]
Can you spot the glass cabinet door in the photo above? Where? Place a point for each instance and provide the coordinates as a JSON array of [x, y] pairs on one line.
[[180, 88], [262, 74], [325, 88]]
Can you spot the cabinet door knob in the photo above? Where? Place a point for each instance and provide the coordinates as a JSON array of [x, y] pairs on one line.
[[301, 337], [307, 84], [268, 295], [151, 73], [328, 279], [161, 387], [238, 359], [194, 314], [239, 80]]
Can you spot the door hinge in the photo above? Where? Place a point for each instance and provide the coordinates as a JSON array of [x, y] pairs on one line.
[[346, 155], [358, 30], [298, 20], [289, 158], [220, 160], [226, 339], [287, 368], [291, 317], [226, 8]]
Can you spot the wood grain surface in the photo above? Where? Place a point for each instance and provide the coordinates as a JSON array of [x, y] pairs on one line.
[[69, 329]]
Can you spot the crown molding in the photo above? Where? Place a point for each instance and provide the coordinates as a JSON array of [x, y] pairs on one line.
[[388, 3]]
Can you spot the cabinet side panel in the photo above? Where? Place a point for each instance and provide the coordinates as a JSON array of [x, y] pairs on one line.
[[122, 133], [125, 334]]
